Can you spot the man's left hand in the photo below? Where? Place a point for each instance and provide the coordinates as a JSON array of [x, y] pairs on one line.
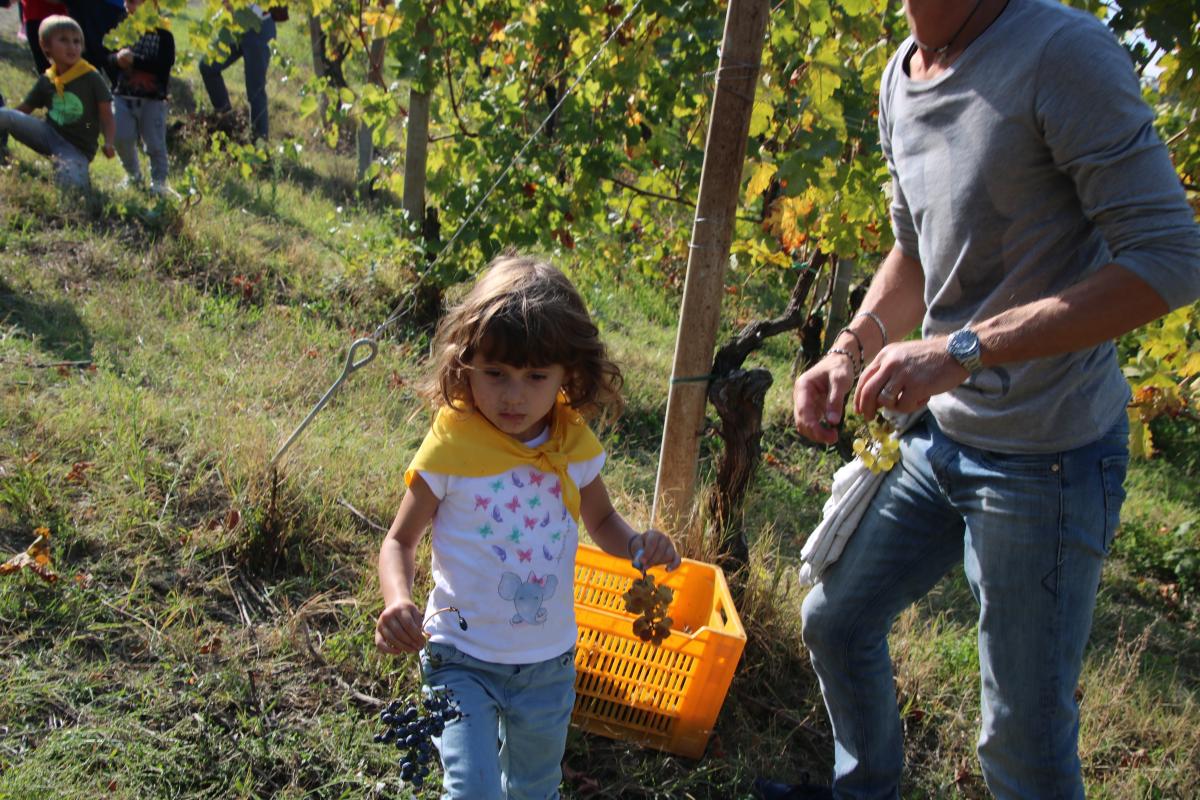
[[904, 375]]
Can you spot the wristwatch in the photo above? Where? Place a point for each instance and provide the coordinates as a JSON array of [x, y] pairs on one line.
[[963, 347]]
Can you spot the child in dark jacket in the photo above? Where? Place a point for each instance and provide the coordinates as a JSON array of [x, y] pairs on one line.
[[143, 73]]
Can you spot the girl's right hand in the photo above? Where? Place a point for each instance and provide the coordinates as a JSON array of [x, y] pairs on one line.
[[399, 629]]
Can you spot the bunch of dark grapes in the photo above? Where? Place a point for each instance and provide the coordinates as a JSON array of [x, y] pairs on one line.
[[651, 602], [411, 728]]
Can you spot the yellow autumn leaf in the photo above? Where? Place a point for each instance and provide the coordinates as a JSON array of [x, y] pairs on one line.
[[1190, 365], [760, 180], [1141, 443], [761, 117]]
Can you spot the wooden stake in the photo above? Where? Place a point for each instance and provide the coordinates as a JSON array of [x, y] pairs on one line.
[[712, 232]]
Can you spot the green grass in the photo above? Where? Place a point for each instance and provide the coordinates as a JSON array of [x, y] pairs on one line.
[[211, 631]]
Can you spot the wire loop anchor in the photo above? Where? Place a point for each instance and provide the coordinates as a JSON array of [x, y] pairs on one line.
[[352, 365]]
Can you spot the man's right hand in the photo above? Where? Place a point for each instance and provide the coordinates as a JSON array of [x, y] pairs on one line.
[[819, 397]]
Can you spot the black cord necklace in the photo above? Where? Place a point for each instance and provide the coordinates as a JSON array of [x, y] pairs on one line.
[[938, 52]]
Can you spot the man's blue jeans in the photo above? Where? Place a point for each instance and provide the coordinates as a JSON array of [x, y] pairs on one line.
[[510, 743], [1032, 532], [254, 49]]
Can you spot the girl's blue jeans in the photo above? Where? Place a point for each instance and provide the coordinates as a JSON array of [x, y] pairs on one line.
[[509, 744], [1031, 532]]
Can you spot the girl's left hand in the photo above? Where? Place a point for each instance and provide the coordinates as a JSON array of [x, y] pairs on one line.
[[656, 548]]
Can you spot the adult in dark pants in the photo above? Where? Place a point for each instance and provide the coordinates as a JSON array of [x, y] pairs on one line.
[[32, 13], [97, 18], [254, 49]]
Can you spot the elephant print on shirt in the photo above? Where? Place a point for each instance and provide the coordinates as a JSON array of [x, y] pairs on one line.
[[527, 596]]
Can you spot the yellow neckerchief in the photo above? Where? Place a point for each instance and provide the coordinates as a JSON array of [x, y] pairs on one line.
[[81, 68], [465, 444]]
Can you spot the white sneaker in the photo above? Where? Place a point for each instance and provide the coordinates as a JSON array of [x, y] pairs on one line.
[[162, 189], [132, 182]]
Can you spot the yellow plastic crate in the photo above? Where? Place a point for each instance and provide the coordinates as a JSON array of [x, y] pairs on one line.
[[666, 697]]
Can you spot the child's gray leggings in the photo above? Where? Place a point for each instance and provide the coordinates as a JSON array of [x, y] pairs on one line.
[[145, 118]]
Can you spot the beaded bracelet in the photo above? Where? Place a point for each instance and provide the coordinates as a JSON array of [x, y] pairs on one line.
[[862, 351], [857, 368], [875, 318]]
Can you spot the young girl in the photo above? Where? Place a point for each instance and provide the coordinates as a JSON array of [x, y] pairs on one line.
[[505, 475]]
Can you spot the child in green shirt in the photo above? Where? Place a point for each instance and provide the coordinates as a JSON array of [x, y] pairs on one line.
[[78, 107]]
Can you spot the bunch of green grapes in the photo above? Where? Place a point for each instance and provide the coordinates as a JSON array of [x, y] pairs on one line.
[[651, 602], [876, 446]]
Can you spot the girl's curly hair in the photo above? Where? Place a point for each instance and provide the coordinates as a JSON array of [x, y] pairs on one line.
[[524, 312]]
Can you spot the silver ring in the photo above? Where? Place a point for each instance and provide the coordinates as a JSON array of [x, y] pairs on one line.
[[887, 394]]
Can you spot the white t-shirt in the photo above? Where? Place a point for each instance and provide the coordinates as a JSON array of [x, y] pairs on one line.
[[504, 556]]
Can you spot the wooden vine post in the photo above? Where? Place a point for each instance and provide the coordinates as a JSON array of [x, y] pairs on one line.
[[416, 148], [712, 233]]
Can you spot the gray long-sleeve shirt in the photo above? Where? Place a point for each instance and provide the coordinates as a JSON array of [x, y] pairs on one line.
[[1021, 170]]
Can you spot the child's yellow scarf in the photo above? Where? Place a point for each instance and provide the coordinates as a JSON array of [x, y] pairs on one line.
[[466, 444], [81, 68]]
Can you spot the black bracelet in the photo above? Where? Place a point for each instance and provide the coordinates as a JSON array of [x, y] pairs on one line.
[[633, 539], [862, 351]]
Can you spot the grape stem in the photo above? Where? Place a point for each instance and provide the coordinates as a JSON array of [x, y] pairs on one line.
[[462, 623]]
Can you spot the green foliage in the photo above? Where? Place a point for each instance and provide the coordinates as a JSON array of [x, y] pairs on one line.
[[1171, 555], [1162, 362]]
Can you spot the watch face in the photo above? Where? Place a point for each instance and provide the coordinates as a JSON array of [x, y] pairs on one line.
[[963, 346], [962, 343]]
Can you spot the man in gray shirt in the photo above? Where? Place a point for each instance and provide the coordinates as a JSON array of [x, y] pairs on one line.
[[1037, 217]]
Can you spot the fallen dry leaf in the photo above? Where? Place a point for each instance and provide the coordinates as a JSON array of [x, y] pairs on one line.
[[36, 558], [78, 473]]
